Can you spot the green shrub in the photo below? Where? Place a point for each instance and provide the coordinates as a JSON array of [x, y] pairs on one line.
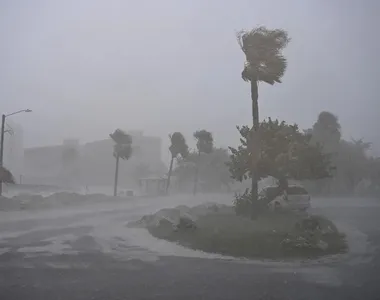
[[243, 205]]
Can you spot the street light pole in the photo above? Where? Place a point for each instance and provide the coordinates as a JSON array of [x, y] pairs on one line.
[[2, 141], [2, 148]]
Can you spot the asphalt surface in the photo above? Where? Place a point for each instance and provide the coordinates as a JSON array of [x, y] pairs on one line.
[[89, 253]]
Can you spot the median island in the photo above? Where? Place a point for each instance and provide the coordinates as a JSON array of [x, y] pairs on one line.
[[218, 229]]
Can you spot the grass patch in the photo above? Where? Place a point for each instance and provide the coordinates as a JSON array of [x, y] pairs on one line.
[[272, 235]]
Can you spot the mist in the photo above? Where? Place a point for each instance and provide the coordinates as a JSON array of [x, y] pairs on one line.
[[88, 67], [129, 166]]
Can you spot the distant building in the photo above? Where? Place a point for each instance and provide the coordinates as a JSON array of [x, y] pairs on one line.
[[42, 165], [98, 164], [94, 163], [53, 165], [14, 149]]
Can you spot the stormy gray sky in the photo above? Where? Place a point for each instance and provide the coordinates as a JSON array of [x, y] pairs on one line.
[[87, 67]]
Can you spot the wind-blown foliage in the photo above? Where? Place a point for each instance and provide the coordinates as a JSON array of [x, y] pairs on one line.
[[122, 149], [177, 147], [205, 141], [205, 144], [123, 144], [285, 153], [327, 132], [354, 166], [263, 51]]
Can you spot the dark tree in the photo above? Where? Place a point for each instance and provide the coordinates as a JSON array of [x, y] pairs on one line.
[[177, 147], [122, 149], [205, 144], [286, 153], [327, 132]]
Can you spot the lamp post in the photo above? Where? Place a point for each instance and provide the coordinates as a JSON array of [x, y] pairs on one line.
[[3, 117]]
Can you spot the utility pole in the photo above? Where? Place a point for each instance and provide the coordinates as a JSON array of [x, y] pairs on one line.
[[2, 149], [2, 140]]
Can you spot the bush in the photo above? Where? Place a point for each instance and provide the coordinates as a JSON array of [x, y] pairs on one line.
[[243, 205]]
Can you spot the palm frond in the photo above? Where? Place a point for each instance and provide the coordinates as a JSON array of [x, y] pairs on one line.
[[262, 48], [205, 141], [178, 145], [120, 137], [123, 144], [272, 69]]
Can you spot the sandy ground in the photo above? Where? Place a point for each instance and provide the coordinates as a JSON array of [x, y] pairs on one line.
[[87, 252]]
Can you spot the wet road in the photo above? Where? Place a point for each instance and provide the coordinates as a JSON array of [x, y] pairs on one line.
[[88, 253]]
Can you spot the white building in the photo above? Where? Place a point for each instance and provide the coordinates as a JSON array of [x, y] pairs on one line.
[[95, 162], [14, 149]]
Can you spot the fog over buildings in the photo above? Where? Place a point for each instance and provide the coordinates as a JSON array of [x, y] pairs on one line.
[[88, 67]]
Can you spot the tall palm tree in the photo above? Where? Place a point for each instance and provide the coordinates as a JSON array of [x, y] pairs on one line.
[[177, 147], [264, 63], [122, 149], [205, 144]]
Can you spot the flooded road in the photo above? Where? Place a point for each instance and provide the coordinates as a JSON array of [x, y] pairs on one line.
[[87, 252]]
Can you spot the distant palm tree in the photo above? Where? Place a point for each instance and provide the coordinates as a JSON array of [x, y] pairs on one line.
[[205, 144], [264, 62], [177, 147], [122, 149], [327, 131], [6, 176]]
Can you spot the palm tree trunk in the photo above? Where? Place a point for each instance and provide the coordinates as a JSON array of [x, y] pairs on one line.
[[196, 174], [169, 174], [255, 119], [116, 176]]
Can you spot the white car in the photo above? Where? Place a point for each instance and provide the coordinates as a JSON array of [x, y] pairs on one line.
[[295, 198]]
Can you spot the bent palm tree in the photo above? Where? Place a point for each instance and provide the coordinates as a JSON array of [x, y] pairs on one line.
[[177, 146], [264, 62], [205, 144], [122, 149]]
